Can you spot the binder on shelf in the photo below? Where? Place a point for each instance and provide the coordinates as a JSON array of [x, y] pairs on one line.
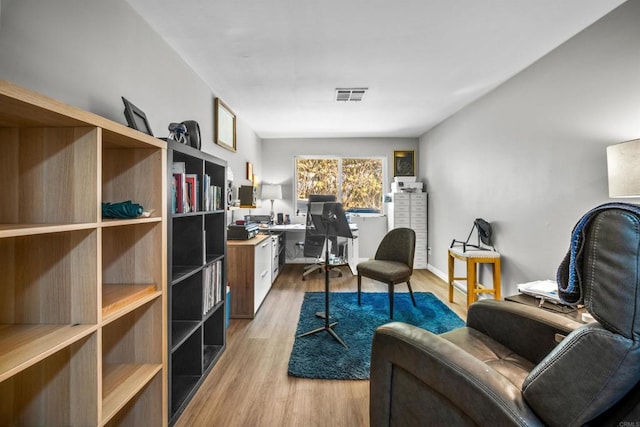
[[192, 192], [213, 289]]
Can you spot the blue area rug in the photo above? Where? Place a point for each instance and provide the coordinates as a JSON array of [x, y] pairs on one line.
[[321, 356]]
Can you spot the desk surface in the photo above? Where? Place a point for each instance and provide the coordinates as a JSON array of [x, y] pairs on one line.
[[300, 227], [256, 240], [285, 227]]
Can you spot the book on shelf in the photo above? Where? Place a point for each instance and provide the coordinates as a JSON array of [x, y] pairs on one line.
[[213, 289], [178, 169], [211, 195], [174, 195], [206, 201], [192, 192]]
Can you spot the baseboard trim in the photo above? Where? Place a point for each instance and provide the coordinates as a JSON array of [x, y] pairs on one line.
[[441, 275]]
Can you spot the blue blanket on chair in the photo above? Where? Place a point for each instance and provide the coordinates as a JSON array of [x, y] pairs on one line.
[[568, 276]]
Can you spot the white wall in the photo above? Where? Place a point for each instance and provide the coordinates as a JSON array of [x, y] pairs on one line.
[[530, 156], [278, 155], [89, 53]]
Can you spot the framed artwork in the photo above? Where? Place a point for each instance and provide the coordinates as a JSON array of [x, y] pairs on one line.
[[225, 125], [404, 163], [250, 171]]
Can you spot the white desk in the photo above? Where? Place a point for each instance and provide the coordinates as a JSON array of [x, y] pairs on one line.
[[294, 233]]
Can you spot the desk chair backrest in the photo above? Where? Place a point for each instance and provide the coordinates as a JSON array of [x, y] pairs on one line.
[[314, 241]]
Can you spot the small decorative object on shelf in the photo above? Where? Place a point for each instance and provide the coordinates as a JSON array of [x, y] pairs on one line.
[[193, 133], [178, 132], [122, 210]]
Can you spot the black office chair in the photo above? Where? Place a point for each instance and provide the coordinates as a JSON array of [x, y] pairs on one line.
[[314, 242]]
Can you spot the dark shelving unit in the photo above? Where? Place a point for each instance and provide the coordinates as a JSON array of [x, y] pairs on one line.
[[196, 242]]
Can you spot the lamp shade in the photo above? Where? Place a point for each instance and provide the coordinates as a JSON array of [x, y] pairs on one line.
[[271, 192], [623, 168]]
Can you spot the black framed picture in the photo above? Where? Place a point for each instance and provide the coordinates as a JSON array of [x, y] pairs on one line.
[[136, 118], [404, 163]]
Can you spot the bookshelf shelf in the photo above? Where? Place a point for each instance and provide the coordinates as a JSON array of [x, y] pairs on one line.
[[82, 299], [121, 383], [117, 299], [17, 230], [121, 222], [22, 346], [196, 268]]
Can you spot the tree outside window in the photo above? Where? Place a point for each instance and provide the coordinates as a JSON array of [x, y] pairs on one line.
[[356, 182]]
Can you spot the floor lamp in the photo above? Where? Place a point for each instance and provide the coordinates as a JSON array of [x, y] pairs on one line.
[[330, 220]]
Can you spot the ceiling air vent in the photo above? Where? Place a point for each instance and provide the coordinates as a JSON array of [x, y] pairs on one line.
[[353, 94]]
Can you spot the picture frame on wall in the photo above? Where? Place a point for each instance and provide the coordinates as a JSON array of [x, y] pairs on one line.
[[404, 163], [225, 125]]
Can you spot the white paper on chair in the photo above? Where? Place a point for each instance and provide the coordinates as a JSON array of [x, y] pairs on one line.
[[547, 289]]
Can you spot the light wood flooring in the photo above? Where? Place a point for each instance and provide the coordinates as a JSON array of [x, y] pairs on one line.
[[249, 385]]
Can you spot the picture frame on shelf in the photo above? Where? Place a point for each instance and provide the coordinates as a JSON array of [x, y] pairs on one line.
[[136, 118], [404, 163], [225, 125], [250, 171]]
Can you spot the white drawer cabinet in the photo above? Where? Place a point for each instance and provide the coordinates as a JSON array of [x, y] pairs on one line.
[[249, 264], [410, 210]]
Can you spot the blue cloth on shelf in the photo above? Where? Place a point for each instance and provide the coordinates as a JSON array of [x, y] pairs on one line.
[[121, 210]]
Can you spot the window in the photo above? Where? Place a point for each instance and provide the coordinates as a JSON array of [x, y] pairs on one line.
[[356, 182]]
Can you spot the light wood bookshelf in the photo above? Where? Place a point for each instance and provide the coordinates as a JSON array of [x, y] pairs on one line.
[[83, 335]]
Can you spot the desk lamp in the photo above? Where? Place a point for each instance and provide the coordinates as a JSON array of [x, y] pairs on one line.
[[271, 192], [623, 171]]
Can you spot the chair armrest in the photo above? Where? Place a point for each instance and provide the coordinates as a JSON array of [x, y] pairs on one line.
[[528, 331], [431, 381]]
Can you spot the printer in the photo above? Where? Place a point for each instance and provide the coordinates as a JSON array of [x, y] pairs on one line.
[[245, 231], [405, 183]]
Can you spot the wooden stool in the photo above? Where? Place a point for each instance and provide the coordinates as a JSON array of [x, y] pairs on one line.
[[473, 258]]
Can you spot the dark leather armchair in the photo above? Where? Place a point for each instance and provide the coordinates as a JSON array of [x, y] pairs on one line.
[[392, 263], [506, 367]]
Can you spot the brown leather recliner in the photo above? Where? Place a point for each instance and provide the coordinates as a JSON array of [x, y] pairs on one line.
[[505, 368]]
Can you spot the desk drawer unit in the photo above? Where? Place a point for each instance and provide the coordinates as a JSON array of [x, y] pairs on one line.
[[249, 264]]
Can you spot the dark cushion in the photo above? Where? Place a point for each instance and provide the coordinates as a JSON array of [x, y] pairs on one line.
[[385, 271]]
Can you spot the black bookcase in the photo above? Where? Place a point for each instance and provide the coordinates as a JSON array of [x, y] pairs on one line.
[[196, 249]]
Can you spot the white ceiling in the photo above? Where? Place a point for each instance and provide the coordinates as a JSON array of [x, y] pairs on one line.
[[277, 63]]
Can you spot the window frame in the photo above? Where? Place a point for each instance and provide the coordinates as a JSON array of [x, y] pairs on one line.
[[300, 205]]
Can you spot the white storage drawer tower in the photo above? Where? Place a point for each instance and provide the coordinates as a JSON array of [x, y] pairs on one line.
[[410, 210]]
